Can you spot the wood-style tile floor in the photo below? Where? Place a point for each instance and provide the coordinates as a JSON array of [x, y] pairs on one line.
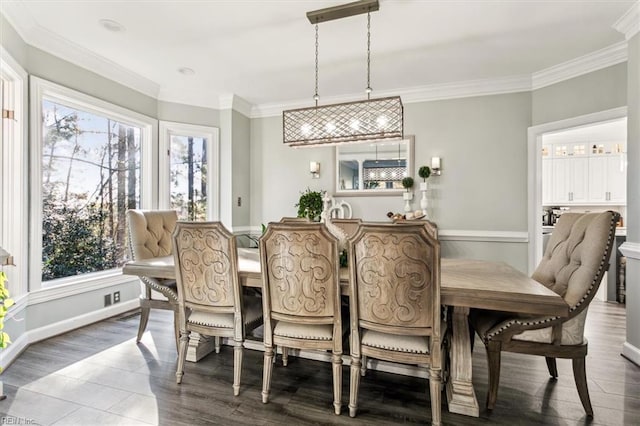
[[98, 375]]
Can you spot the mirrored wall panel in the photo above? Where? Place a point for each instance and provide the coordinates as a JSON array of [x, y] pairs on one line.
[[373, 167]]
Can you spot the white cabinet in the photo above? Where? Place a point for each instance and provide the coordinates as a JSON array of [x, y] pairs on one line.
[[584, 180], [569, 180], [608, 179]]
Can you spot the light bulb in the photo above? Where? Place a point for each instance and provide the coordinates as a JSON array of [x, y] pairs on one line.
[[382, 122]]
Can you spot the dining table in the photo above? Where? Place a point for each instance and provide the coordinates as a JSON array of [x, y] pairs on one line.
[[465, 284]]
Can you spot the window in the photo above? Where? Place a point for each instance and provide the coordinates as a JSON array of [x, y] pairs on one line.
[[190, 175], [89, 172]]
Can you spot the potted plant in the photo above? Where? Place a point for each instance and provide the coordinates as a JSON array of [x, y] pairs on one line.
[[407, 183], [310, 205], [424, 172]]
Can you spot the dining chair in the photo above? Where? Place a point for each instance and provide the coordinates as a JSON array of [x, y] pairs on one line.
[[395, 303], [149, 237], [301, 296], [573, 264], [210, 296], [348, 226]]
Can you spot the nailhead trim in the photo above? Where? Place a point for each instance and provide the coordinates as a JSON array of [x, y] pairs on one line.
[[603, 261]]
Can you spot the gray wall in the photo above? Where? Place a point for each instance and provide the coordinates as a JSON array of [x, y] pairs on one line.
[[597, 91], [478, 190], [12, 42], [182, 113], [241, 176]]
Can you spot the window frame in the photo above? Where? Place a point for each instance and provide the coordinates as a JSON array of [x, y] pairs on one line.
[[212, 134], [40, 90], [13, 176]]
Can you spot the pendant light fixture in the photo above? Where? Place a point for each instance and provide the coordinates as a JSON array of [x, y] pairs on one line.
[[370, 119]]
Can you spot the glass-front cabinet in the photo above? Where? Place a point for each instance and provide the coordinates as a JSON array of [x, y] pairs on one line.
[[373, 167]]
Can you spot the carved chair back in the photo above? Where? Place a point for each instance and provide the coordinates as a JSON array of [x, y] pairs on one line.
[[348, 226], [299, 264], [206, 260], [395, 279]]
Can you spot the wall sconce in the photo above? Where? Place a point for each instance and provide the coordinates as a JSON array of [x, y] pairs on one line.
[[314, 168], [435, 166], [5, 258]]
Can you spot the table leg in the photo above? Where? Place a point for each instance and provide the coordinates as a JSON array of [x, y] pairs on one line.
[[460, 394], [199, 347]]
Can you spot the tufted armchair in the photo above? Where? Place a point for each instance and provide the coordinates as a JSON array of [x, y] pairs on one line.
[[395, 303], [150, 233], [576, 257], [301, 296]]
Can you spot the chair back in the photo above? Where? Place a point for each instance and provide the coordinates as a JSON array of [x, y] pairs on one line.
[[206, 262], [431, 227], [395, 279], [577, 256], [299, 263], [348, 226], [150, 232]]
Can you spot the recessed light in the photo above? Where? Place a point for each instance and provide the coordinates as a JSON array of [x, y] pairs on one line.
[[111, 25], [186, 71]]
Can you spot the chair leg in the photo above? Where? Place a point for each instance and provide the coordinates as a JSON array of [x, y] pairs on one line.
[[237, 365], [354, 385], [182, 355], [266, 373], [176, 326], [285, 355], [216, 344], [363, 368], [435, 382], [551, 365], [493, 359], [144, 319], [337, 382], [580, 376]]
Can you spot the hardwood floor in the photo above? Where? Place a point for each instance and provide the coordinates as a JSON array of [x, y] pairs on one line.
[[98, 375]]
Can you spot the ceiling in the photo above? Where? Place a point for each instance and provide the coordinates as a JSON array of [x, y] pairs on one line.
[[263, 50]]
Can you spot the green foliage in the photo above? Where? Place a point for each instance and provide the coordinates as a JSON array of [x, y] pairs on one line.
[[5, 303], [424, 172], [310, 205], [407, 183], [75, 240]]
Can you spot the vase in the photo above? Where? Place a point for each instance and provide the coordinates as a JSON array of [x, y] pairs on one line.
[[423, 201], [407, 196]]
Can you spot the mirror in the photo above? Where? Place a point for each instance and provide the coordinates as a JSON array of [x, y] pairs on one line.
[[373, 167]]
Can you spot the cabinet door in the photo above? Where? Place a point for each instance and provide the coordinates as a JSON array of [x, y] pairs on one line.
[[617, 178], [579, 179], [547, 181], [598, 179], [560, 180]]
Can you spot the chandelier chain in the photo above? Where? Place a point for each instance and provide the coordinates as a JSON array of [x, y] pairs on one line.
[[368, 90], [316, 96]]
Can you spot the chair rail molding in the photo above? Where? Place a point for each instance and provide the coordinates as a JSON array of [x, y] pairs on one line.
[[631, 250]]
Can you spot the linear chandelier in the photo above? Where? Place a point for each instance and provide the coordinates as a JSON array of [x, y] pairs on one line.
[[369, 119]]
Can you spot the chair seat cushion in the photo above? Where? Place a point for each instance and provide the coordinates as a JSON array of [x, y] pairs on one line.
[[394, 342], [304, 331], [252, 315]]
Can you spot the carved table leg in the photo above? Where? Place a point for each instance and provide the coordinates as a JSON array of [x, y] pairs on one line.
[[199, 347], [460, 394]]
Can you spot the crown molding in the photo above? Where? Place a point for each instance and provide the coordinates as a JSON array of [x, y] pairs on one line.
[[36, 36], [594, 61], [629, 23], [235, 102], [432, 92]]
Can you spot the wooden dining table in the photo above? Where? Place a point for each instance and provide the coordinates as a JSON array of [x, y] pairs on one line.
[[465, 284]]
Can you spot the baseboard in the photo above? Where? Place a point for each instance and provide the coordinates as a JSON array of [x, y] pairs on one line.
[[32, 336], [631, 353]]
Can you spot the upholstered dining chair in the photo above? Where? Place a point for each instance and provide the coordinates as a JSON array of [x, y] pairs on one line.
[[573, 264], [210, 297], [395, 303], [431, 227], [301, 295], [150, 236]]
